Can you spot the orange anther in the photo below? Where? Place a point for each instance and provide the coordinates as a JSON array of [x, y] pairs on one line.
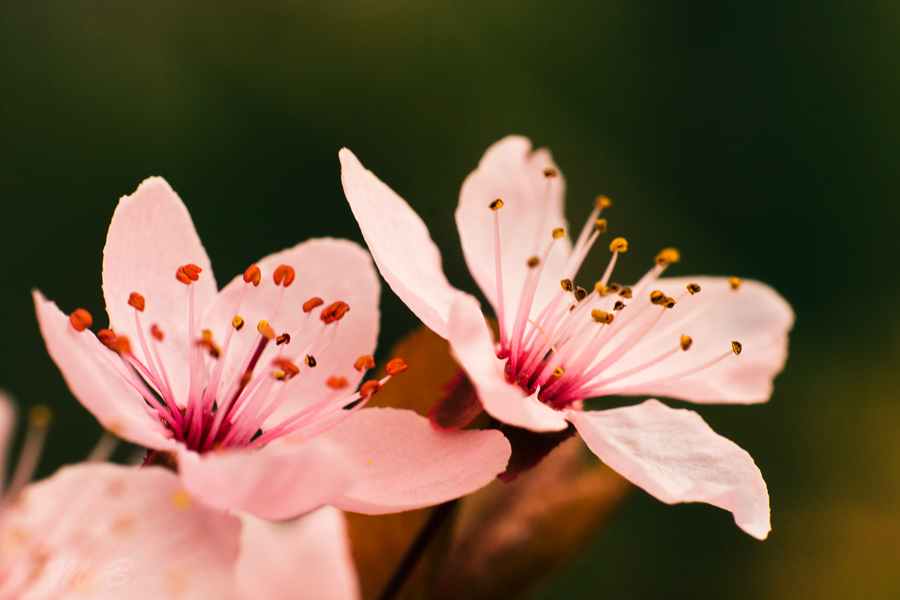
[[289, 368], [107, 338], [310, 361], [369, 389], [335, 312], [81, 319], [283, 275], [550, 173], [284, 338], [188, 273], [252, 275], [207, 342], [137, 301], [337, 383], [156, 332], [123, 346], [364, 363], [312, 303], [396, 365]]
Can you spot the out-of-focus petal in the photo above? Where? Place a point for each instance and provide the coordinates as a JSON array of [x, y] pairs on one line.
[[470, 340], [85, 365], [330, 269], [400, 244], [404, 463], [532, 208], [754, 315], [150, 237], [285, 479], [307, 558], [109, 532], [7, 427], [675, 456]]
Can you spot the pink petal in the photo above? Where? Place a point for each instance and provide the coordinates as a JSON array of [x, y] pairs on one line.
[[326, 268], [7, 428], [399, 241], [754, 315], [470, 340], [85, 365], [123, 532], [307, 558], [405, 463], [533, 207], [150, 237], [285, 479], [676, 457]]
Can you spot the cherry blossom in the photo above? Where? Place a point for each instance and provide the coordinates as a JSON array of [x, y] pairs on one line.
[[104, 531], [561, 343], [253, 392]]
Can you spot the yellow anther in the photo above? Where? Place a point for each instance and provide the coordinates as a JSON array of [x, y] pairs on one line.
[[207, 334], [735, 283], [310, 360], [625, 292], [657, 297], [601, 289], [557, 373], [736, 347], [668, 256], [669, 303], [237, 322], [614, 288], [533, 262], [580, 293], [693, 288], [567, 285], [39, 416], [496, 204], [558, 233], [600, 225], [686, 342], [602, 202], [266, 330], [619, 244], [602, 316], [550, 173]]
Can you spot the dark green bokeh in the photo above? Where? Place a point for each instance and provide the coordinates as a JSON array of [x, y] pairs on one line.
[[759, 138]]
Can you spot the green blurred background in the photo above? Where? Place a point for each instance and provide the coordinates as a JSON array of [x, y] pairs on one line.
[[760, 138]]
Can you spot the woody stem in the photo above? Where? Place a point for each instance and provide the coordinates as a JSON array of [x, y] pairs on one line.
[[409, 561]]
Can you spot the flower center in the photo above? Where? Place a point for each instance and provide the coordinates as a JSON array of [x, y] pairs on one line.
[[566, 349], [228, 412]]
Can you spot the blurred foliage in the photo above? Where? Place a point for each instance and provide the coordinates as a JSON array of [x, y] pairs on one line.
[[760, 138], [505, 538]]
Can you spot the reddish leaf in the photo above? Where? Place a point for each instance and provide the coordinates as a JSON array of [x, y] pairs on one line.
[[530, 447], [510, 536], [459, 405]]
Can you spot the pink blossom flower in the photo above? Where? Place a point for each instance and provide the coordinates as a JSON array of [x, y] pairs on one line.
[[104, 531], [305, 558], [560, 343], [247, 387]]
